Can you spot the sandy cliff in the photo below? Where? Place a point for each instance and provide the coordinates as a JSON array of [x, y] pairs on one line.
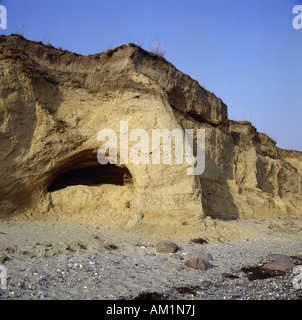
[[53, 103]]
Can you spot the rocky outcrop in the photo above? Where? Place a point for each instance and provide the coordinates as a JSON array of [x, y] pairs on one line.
[[53, 103]]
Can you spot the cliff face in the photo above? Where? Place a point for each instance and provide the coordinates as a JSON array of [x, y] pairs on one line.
[[53, 103]]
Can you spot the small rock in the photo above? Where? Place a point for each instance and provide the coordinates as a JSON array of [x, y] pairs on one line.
[[200, 253], [166, 246], [198, 264], [281, 265]]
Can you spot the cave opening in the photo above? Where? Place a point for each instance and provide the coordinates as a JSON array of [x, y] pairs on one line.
[[93, 175]]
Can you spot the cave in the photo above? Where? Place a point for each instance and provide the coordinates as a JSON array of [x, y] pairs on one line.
[[92, 176], [84, 169]]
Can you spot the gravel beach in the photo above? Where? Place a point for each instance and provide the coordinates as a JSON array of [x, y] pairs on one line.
[[67, 261]]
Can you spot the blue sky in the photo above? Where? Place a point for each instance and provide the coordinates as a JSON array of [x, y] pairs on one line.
[[245, 51]]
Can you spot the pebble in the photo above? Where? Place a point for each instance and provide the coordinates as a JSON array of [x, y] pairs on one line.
[[200, 253], [198, 264], [280, 265], [166, 246]]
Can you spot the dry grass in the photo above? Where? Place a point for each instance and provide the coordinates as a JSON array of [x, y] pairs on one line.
[[157, 48]]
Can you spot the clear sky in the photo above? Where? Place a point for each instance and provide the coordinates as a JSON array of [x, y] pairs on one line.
[[245, 51]]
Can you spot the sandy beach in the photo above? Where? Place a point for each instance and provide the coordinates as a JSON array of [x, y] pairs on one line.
[[60, 260]]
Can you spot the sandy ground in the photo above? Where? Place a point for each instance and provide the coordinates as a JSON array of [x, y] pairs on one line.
[[65, 260]]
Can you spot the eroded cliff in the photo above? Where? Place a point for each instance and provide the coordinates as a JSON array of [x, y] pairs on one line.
[[53, 103]]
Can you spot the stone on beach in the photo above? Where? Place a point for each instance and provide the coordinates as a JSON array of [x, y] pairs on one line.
[[198, 264], [166, 246], [281, 265], [200, 253]]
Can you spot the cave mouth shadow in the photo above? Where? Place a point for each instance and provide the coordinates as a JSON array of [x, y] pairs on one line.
[[93, 175]]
